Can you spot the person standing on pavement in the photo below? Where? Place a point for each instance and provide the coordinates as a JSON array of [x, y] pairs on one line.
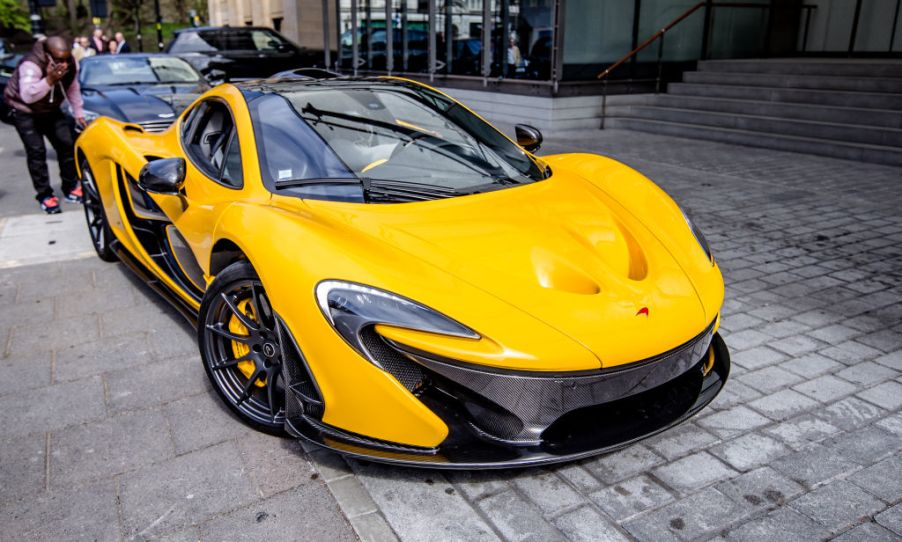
[[88, 51], [122, 45], [44, 78], [97, 43]]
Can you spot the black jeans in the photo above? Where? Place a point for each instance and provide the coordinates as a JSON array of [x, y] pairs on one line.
[[33, 129]]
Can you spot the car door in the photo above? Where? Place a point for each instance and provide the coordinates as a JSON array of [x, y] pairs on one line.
[[214, 179]]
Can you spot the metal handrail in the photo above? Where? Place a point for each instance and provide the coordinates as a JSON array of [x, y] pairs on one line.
[[652, 39]]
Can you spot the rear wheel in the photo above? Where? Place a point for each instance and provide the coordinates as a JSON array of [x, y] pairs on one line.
[[241, 348], [98, 227]]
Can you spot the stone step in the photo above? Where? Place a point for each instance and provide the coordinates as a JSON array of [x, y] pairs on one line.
[[814, 82], [865, 100], [886, 118], [808, 66], [850, 151], [890, 137]]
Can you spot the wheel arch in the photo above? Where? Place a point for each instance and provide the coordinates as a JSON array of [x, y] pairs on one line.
[[79, 158], [225, 252]]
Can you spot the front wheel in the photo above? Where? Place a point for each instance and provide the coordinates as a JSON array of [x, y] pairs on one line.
[[241, 348], [98, 227]]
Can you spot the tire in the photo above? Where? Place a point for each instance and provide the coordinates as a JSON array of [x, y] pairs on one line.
[[241, 350], [95, 216]]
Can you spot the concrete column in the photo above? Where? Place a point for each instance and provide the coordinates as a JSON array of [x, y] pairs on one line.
[[236, 13], [303, 22], [261, 13]]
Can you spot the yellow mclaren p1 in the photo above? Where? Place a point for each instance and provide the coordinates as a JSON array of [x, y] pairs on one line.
[[372, 267]]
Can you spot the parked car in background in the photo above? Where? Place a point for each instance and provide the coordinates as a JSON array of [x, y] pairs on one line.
[[8, 63], [417, 51], [146, 89], [240, 53], [306, 73]]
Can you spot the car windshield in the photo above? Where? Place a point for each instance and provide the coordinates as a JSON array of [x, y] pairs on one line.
[[388, 132], [208, 41], [124, 70]]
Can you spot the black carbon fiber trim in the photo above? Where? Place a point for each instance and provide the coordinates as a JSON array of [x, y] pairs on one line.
[[581, 434], [538, 400], [408, 373], [302, 395], [355, 439]]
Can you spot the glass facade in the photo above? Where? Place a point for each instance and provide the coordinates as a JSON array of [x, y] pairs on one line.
[[853, 26], [546, 42]]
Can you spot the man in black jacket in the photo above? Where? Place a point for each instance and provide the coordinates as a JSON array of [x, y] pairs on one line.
[[122, 46], [44, 78]]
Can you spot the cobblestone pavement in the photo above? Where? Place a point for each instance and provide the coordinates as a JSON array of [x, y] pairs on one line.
[[110, 431]]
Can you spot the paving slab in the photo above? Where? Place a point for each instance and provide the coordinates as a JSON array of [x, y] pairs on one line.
[[185, 491], [24, 461], [422, 505], [72, 403], [81, 513], [630, 497], [838, 505], [108, 447], [283, 517]]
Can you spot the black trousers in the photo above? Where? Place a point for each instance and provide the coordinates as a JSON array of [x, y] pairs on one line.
[[33, 129]]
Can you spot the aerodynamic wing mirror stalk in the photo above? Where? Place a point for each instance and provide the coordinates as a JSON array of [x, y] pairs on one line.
[[528, 137], [164, 176]]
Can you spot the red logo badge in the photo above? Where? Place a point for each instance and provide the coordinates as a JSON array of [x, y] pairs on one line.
[[643, 310]]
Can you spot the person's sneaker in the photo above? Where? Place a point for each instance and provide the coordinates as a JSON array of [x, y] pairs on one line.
[[76, 195], [51, 205]]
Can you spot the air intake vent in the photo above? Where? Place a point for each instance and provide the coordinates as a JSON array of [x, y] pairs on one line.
[[156, 126], [406, 371], [302, 396]]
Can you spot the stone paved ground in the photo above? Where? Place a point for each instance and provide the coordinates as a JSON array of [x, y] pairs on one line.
[[108, 429]]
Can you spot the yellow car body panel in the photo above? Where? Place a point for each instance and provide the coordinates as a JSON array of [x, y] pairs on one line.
[[590, 269]]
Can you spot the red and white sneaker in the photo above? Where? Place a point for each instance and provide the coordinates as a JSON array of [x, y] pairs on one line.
[[76, 195], [51, 205]]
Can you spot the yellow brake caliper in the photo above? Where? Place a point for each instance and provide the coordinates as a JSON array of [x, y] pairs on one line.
[[239, 348]]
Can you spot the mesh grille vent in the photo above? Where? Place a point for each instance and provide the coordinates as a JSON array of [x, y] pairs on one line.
[[407, 372]]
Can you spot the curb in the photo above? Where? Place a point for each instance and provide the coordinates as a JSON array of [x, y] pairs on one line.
[[353, 499]]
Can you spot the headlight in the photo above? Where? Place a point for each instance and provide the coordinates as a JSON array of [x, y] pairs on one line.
[[351, 307], [699, 236]]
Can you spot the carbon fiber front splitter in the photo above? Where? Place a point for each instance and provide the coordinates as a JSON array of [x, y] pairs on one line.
[[583, 433]]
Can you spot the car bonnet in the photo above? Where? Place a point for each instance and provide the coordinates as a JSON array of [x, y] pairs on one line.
[[561, 250]]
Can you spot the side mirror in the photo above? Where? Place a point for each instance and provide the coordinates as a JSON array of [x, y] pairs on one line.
[[528, 137], [164, 176], [214, 76]]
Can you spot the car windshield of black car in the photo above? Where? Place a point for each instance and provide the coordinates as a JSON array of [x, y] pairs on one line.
[[233, 39], [122, 70]]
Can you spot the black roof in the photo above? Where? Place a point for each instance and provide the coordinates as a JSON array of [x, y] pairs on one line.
[[225, 28], [256, 87], [127, 55]]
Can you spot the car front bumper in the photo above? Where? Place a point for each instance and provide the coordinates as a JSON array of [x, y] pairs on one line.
[[514, 419]]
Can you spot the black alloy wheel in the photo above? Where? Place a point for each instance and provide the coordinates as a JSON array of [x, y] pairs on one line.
[[98, 227], [241, 347]]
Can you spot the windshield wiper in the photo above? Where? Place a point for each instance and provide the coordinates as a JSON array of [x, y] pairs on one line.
[[291, 183], [386, 189]]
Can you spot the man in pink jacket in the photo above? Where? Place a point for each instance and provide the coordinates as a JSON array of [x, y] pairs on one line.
[[44, 78]]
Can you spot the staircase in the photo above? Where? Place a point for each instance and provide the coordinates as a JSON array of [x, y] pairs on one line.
[[843, 108]]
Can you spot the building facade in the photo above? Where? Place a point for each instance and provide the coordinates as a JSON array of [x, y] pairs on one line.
[[558, 48]]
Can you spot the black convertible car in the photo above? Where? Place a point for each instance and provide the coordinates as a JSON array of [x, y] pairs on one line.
[[146, 89]]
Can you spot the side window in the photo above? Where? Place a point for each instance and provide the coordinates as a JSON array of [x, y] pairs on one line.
[[208, 143], [232, 174], [191, 119]]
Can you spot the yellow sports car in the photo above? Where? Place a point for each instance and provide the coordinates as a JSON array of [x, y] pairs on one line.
[[374, 268]]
